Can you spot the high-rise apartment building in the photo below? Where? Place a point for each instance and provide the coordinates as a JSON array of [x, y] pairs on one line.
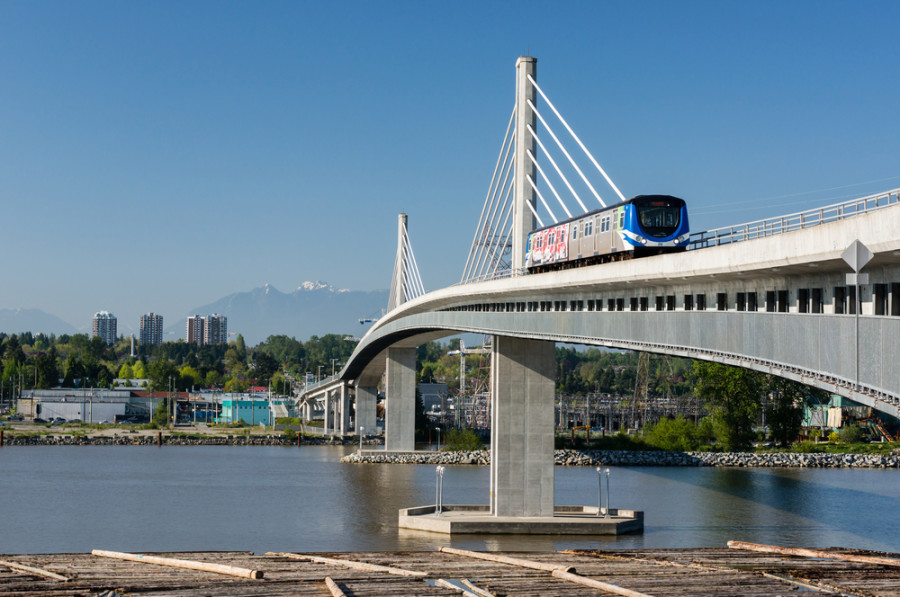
[[215, 329], [104, 325], [212, 329], [194, 330], [151, 329]]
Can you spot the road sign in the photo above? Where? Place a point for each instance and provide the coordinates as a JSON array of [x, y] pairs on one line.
[[857, 255]]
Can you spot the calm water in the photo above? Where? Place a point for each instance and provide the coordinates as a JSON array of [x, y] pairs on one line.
[[74, 499]]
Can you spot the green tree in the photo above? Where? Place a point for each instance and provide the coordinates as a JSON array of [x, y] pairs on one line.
[[677, 435], [126, 372], [732, 394], [784, 411]]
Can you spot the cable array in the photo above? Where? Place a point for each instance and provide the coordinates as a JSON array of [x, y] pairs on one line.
[[490, 253], [406, 283]]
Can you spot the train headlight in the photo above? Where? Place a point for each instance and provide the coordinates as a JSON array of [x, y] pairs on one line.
[[643, 240]]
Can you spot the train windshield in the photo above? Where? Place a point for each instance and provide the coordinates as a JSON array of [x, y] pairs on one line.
[[659, 216]]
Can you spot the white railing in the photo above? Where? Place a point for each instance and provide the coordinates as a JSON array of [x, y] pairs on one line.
[[795, 221]]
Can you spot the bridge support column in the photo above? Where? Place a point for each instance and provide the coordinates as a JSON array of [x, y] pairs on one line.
[[523, 390], [344, 401], [366, 402], [400, 399], [326, 423]]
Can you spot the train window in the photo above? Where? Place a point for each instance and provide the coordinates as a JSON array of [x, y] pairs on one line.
[[574, 231], [622, 219], [589, 228], [551, 238]]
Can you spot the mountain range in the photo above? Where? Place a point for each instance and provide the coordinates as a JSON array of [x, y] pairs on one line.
[[313, 308]]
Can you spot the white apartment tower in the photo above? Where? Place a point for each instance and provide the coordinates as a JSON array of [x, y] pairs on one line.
[[104, 325], [215, 329], [151, 329]]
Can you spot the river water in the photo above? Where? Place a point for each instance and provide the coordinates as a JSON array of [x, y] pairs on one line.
[[143, 499]]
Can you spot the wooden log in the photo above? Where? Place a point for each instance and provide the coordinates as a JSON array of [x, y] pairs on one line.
[[475, 589], [596, 584], [350, 564], [507, 560], [812, 553], [34, 571], [442, 582], [187, 564], [334, 588]]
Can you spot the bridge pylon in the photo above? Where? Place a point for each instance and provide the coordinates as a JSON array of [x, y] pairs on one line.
[[524, 204]]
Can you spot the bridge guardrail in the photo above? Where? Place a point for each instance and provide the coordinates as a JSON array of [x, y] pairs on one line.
[[795, 221]]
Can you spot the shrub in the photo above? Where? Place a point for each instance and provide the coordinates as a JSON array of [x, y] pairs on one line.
[[677, 435], [463, 440], [851, 434], [833, 437], [805, 447], [290, 434]]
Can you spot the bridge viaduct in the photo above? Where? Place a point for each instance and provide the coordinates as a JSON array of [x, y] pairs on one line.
[[773, 302]]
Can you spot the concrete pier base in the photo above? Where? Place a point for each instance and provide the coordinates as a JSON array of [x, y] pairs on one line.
[[566, 520]]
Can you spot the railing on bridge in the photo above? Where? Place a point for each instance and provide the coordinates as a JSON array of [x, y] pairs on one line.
[[795, 221]]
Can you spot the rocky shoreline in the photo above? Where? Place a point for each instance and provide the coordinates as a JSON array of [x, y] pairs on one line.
[[647, 458]]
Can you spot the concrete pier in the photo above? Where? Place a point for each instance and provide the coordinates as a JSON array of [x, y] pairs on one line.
[[565, 520], [400, 399]]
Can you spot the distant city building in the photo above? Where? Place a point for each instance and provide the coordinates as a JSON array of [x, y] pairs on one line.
[[194, 327], [151, 329], [215, 329], [212, 329], [104, 325]]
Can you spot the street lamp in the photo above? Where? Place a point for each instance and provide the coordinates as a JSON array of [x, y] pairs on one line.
[[438, 429], [361, 431], [332, 367], [599, 490], [319, 375], [607, 494], [438, 489]]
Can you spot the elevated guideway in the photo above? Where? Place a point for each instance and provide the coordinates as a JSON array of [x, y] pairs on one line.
[[641, 304]]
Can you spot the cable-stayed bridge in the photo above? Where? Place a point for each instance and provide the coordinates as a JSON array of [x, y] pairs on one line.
[[771, 295]]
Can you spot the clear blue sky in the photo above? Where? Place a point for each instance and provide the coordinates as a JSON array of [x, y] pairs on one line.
[[156, 156]]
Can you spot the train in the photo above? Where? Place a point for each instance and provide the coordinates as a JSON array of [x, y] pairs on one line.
[[638, 227]]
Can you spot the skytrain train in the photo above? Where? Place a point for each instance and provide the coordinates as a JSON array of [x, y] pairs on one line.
[[641, 226]]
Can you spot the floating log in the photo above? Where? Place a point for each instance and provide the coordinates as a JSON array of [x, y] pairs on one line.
[[596, 584], [507, 560], [35, 571], [334, 588], [351, 564], [475, 589], [442, 582], [174, 563], [812, 553]]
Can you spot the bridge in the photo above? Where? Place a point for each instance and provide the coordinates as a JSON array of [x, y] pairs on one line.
[[771, 295]]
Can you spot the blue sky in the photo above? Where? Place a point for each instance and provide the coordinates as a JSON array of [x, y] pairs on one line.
[[157, 156]]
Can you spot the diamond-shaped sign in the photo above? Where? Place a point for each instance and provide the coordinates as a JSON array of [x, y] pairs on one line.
[[857, 255]]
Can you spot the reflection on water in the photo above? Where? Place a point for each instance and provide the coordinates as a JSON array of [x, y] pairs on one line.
[[136, 498]]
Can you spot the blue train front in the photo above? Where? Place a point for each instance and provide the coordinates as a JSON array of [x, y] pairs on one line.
[[641, 226]]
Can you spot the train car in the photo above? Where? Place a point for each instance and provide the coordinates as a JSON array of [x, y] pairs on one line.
[[641, 226]]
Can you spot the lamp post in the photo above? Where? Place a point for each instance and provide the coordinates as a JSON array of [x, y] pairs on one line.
[[361, 431], [319, 375], [438, 489], [332, 367], [607, 494], [438, 429], [599, 491]]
